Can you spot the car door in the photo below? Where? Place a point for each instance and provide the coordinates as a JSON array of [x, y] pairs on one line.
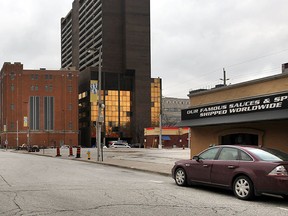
[[200, 170], [224, 167]]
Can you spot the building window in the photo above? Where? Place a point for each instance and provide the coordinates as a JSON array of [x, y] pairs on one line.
[[12, 106], [34, 88], [70, 125], [49, 113], [12, 87], [70, 107], [48, 88], [70, 76], [12, 75], [34, 113], [48, 77], [69, 88], [34, 76]]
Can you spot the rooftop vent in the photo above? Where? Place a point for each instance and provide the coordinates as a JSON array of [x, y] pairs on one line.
[[285, 68]]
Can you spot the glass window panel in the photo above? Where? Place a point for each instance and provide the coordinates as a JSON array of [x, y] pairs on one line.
[[49, 113], [34, 113]]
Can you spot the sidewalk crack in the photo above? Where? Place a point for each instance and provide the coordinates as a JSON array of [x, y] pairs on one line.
[[5, 181]]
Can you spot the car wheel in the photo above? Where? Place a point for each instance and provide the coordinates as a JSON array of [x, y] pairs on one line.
[[243, 188], [180, 177]]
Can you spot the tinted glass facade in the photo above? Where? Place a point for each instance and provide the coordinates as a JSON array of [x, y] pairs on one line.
[[155, 102], [122, 30]]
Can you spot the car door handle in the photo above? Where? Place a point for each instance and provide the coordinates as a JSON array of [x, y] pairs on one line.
[[205, 165], [231, 167]]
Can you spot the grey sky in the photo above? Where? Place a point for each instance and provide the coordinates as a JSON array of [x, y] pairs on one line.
[[192, 40]]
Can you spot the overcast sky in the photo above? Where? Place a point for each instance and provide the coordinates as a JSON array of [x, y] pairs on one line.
[[192, 40]]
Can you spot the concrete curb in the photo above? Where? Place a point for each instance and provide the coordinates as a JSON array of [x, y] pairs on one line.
[[96, 162]]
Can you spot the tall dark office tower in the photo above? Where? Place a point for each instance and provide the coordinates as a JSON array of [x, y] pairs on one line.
[[121, 28]]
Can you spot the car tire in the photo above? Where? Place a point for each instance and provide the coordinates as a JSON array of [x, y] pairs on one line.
[[180, 177], [243, 188]]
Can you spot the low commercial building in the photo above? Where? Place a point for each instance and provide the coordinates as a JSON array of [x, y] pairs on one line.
[[172, 137], [38, 107], [252, 113]]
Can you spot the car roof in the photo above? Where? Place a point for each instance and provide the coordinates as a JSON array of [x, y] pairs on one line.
[[239, 146]]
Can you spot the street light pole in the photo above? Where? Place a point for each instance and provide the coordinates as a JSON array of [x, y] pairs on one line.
[[99, 122], [99, 103]]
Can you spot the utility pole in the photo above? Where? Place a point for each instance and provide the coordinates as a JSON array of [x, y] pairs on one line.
[[17, 138], [224, 77], [160, 118], [100, 107]]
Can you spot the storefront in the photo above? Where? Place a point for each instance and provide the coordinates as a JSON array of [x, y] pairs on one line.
[[250, 113], [171, 137]]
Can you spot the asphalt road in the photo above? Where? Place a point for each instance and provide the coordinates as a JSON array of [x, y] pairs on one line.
[[34, 185]]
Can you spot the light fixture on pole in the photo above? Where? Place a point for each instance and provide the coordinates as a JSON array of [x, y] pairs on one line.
[[100, 104]]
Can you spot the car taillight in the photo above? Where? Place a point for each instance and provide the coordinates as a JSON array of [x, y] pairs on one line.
[[279, 171]]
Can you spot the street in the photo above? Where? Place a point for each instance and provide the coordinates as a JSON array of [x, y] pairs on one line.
[[38, 185]]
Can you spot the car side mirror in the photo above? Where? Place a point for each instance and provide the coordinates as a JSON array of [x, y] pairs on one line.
[[196, 157]]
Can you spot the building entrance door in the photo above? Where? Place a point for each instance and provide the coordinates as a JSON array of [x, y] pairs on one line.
[[240, 139]]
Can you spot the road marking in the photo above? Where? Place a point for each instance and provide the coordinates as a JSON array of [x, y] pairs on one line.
[[285, 209], [159, 182]]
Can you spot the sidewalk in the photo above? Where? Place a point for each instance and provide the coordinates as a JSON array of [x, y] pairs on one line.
[[158, 161]]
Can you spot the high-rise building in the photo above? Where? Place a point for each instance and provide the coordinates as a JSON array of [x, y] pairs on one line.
[[115, 34]]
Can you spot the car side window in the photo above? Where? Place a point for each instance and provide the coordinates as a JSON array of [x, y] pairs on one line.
[[210, 154], [245, 157], [228, 154]]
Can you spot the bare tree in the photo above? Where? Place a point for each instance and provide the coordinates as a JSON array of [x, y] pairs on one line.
[[168, 121]]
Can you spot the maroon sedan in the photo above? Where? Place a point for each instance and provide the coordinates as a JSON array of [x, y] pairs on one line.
[[247, 170]]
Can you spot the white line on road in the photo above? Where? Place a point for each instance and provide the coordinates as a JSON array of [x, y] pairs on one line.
[[159, 182]]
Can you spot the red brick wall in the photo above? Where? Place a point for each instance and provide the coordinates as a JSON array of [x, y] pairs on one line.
[[19, 99]]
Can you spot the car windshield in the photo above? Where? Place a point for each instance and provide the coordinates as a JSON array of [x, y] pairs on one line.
[[267, 154]]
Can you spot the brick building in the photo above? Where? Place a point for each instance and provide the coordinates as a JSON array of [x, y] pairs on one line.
[[38, 107], [172, 137]]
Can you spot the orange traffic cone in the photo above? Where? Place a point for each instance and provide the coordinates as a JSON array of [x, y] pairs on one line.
[[58, 152], [78, 152], [70, 151]]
